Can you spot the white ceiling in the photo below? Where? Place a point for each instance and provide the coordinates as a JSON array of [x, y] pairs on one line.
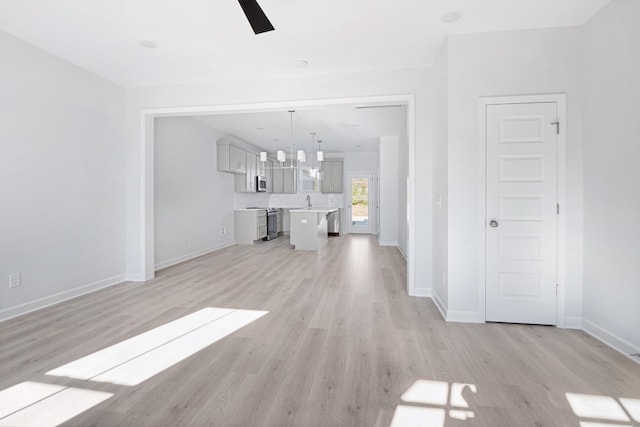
[[341, 128], [207, 40]]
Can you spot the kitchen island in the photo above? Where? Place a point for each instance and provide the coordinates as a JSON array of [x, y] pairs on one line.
[[309, 228]]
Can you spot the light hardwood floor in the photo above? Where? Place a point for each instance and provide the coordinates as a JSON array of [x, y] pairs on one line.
[[340, 345]]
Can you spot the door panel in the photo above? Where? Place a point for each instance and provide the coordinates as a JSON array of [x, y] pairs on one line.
[[521, 217], [360, 194]]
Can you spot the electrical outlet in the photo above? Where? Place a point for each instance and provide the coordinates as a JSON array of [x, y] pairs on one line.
[[15, 280], [223, 230]]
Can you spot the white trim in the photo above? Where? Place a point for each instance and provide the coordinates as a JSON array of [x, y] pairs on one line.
[[421, 292], [402, 251], [561, 100], [612, 340], [439, 305], [192, 255], [572, 323], [47, 301], [146, 163], [135, 277], [464, 317], [381, 243]]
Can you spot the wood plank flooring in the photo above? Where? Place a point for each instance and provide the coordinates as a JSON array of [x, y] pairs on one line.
[[341, 344]]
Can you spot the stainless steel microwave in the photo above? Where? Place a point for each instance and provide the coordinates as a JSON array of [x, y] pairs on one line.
[[261, 183]]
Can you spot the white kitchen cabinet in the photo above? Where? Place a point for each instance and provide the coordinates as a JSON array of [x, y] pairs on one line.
[[247, 183], [250, 225], [231, 158], [262, 167], [286, 221], [333, 177], [269, 174], [290, 181], [284, 179]]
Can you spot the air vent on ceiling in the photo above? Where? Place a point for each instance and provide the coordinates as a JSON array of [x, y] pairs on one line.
[[363, 107]]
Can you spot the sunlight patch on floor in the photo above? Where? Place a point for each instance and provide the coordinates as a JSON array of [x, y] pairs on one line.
[[100, 361], [14, 398], [440, 396], [127, 363], [605, 409], [598, 407], [414, 416], [54, 409], [145, 366]]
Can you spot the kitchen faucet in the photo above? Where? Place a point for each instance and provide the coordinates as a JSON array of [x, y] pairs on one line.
[[308, 201]]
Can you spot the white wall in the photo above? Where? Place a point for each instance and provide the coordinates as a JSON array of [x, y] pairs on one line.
[[394, 82], [611, 45], [62, 180], [388, 197], [507, 63], [440, 170], [193, 201]]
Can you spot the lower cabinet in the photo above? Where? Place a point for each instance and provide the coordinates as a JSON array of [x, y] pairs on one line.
[[250, 225]]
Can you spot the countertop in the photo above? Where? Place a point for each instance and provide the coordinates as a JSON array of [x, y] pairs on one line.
[[314, 210]]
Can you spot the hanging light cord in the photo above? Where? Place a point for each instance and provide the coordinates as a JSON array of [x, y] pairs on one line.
[[291, 112]]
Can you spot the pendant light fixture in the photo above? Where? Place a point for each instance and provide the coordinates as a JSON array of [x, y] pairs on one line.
[[320, 159], [281, 156]]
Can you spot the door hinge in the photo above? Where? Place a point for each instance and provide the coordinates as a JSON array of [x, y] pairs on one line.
[[557, 208], [557, 286], [557, 124]]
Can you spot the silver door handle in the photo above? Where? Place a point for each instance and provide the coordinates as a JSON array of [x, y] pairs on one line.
[[493, 223]]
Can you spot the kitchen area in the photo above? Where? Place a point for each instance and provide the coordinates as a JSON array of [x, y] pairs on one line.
[[269, 194], [275, 176]]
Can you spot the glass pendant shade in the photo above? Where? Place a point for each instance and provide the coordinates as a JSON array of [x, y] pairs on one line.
[[281, 156], [302, 156], [320, 156], [263, 156]]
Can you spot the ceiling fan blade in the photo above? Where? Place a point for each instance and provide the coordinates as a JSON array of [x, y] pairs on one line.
[[257, 18]]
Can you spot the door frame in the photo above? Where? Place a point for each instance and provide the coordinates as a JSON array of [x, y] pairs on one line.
[[484, 102], [372, 200], [143, 254]]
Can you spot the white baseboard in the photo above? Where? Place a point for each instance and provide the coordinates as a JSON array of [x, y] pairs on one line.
[[439, 304], [463, 316], [383, 243], [421, 292], [192, 255], [134, 277], [40, 303], [404, 254], [610, 339], [572, 323]]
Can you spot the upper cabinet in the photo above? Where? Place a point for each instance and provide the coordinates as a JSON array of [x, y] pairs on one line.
[[284, 179], [231, 158], [247, 183], [269, 174], [333, 177]]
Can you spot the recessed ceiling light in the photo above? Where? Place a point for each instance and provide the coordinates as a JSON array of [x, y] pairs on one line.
[[276, 139], [260, 128], [302, 63], [358, 145], [149, 44], [451, 17], [355, 125]]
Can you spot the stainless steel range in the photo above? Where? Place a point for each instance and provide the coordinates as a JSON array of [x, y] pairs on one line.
[[272, 223]]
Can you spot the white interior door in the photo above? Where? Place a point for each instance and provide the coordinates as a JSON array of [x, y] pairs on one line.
[[360, 197], [521, 213]]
